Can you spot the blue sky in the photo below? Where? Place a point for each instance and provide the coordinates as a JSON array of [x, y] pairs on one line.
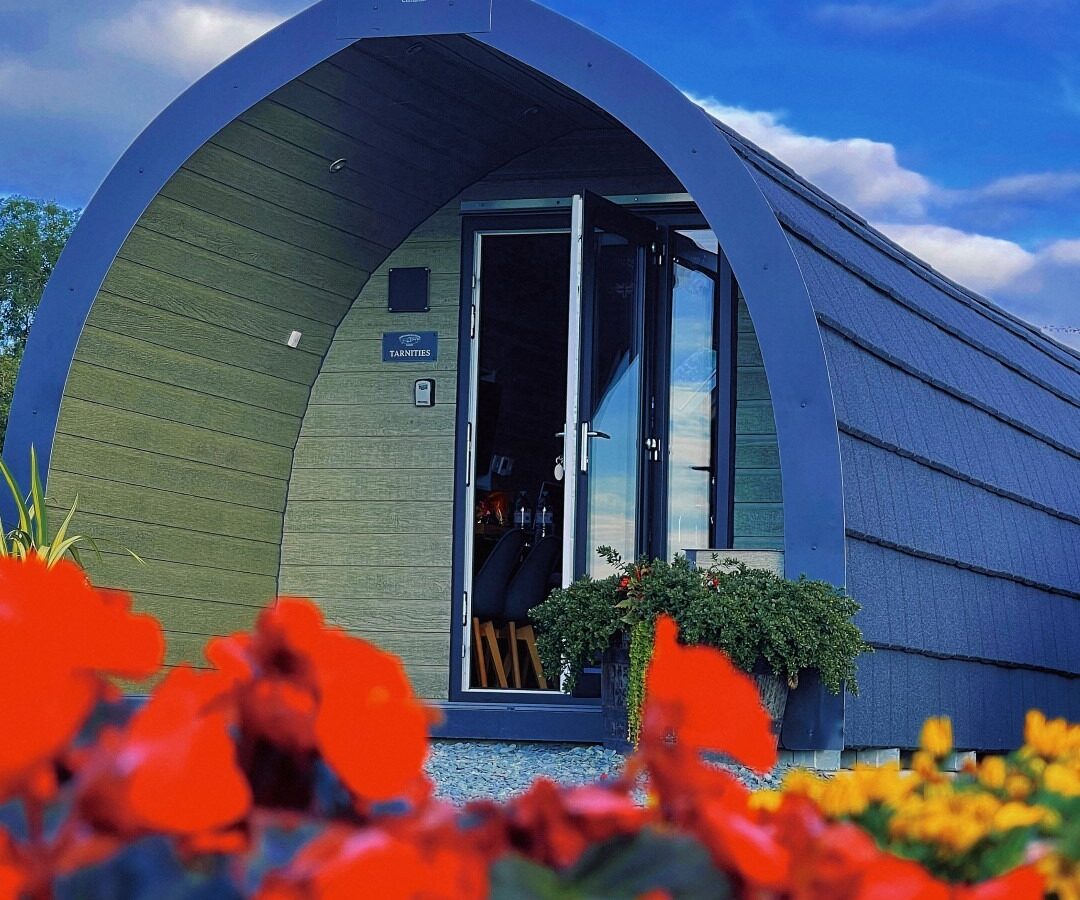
[[952, 125]]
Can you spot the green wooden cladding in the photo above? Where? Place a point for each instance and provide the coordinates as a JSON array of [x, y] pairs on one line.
[[759, 507]]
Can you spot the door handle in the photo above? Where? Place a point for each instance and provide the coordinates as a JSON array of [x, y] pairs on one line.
[[586, 434]]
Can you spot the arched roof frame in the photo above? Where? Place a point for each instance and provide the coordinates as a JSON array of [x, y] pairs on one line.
[[678, 132]]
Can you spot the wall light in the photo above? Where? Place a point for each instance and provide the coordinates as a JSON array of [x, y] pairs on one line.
[[294, 339], [337, 165]]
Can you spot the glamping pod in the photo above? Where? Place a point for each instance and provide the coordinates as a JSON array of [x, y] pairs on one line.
[[399, 276]]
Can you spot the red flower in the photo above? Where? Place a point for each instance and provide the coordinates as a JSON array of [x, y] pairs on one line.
[[697, 695], [60, 638], [304, 686], [172, 770], [1024, 883], [345, 863], [553, 826]]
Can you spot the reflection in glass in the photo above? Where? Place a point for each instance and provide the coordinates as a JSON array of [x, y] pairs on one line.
[[692, 411], [615, 401]]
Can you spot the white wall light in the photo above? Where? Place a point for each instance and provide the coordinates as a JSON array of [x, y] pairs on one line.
[[294, 339]]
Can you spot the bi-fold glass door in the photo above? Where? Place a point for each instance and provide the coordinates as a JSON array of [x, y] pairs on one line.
[[590, 418]]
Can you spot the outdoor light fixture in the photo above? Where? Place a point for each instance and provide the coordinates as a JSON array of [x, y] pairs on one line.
[[529, 112], [294, 339], [337, 165], [414, 49]]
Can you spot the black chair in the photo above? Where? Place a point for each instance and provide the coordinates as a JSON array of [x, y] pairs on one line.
[[528, 589], [489, 602]]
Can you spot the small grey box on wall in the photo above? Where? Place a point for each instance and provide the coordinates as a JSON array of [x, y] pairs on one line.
[[424, 392]]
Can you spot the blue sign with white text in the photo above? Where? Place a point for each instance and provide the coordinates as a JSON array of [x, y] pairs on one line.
[[410, 346]]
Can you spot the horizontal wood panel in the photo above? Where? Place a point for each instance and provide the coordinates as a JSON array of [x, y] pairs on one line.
[[383, 518], [316, 203], [429, 682], [151, 540], [213, 270], [417, 647], [386, 419], [416, 615], [315, 95], [758, 486], [79, 455], [366, 356], [381, 452], [364, 581], [748, 353], [756, 452], [759, 519], [251, 248], [170, 579], [444, 282], [110, 350], [754, 417], [382, 552], [751, 384], [166, 402], [264, 215], [325, 128], [443, 142], [201, 340], [301, 163], [183, 297], [364, 323], [128, 429], [136, 503], [372, 484], [776, 542], [389, 386], [197, 618]]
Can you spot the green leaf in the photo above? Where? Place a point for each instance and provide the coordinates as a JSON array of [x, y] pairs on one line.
[[37, 493], [623, 867]]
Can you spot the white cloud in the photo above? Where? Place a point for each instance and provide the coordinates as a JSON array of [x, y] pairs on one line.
[[182, 37], [861, 173], [1065, 253], [977, 261], [882, 17], [1032, 186]]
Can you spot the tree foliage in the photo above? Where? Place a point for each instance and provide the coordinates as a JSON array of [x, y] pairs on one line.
[[32, 234]]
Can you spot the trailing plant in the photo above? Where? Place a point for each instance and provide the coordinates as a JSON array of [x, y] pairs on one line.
[[575, 625], [753, 615]]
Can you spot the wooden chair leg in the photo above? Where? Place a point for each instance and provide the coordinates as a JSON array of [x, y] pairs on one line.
[[526, 634], [488, 629], [478, 653], [515, 662]]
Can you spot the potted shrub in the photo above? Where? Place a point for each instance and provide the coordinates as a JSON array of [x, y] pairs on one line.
[[771, 627]]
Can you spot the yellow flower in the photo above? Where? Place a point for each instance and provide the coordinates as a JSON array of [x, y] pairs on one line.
[[936, 736], [925, 766], [1018, 787], [1053, 739], [992, 772], [1062, 876], [802, 783], [1017, 815], [843, 796], [1062, 779], [766, 801]]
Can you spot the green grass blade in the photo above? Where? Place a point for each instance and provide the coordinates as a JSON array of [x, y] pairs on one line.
[[37, 494], [16, 495]]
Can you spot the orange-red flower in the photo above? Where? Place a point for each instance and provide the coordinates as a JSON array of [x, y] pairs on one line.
[[59, 638], [553, 826], [173, 769], [345, 863], [304, 686], [699, 697]]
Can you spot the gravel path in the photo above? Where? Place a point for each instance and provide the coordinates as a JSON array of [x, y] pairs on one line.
[[470, 770]]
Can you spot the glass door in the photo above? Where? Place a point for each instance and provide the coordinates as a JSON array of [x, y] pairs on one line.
[[615, 277]]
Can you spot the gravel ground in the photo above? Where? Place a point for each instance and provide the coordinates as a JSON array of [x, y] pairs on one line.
[[470, 770]]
